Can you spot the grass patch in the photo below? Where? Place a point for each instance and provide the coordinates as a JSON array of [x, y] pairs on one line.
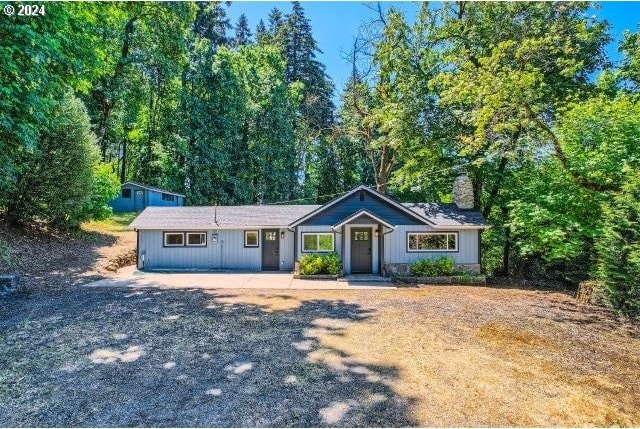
[[117, 223]]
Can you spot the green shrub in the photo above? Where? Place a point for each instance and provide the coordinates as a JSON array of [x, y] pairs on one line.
[[441, 266], [619, 248], [320, 264]]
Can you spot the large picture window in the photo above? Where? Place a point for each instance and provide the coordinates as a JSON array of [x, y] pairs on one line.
[[432, 242], [167, 197], [317, 242], [251, 239]]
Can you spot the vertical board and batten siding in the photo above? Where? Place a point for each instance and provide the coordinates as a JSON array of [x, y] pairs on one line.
[[229, 253], [337, 243], [395, 246], [149, 198], [346, 262], [347, 207]]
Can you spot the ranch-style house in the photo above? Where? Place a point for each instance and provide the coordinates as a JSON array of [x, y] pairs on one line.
[[371, 232]]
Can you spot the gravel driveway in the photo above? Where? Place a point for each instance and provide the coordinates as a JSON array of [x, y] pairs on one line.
[[443, 356]]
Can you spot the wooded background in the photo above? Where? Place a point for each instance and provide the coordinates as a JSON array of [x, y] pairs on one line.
[[521, 96]]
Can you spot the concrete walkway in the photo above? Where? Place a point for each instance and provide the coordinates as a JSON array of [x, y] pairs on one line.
[[130, 277]]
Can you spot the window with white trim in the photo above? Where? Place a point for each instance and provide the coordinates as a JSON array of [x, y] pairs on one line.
[[251, 238], [173, 239], [317, 242], [197, 239], [432, 242]]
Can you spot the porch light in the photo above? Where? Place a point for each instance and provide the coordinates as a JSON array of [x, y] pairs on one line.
[[281, 234], [375, 233]]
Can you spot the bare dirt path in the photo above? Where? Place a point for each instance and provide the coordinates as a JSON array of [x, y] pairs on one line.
[[440, 356]]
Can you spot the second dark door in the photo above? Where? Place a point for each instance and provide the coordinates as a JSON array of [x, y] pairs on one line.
[[270, 249], [361, 250]]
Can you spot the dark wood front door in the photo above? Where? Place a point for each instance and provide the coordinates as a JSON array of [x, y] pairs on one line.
[[361, 250], [270, 249]]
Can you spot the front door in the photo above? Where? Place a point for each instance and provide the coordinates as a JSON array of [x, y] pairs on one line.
[[270, 249], [138, 202], [361, 250]]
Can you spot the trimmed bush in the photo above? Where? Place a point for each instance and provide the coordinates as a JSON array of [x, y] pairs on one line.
[[442, 266], [320, 264]]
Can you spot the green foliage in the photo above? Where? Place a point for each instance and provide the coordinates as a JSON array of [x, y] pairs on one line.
[[328, 263], [57, 180], [106, 186], [441, 266], [619, 247]]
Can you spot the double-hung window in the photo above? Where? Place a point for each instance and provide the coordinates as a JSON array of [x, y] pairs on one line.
[[432, 242], [317, 242]]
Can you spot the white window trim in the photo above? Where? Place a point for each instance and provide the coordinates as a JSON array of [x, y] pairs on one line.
[[186, 241], [318, 234], [433, 250], [257, 232], [165, 234]]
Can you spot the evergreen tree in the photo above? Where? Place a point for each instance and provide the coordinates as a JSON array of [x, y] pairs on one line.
[[243, 33], [619, 247], [261, 32], [58, 181], [300, 50]]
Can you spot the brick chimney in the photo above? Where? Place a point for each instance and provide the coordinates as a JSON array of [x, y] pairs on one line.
[[463, 192]]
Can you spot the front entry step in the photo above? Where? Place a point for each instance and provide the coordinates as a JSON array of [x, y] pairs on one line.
[[364, 278]]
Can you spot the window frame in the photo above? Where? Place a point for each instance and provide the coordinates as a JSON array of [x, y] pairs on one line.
[[128, 190], [168, 197], [186, 238], [318, 234], [257, 232], [166, 233], [446, 233]]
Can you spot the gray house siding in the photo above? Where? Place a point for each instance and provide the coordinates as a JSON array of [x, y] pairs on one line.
[[337, 237], [347, 207], [141, 198], [395, 246], [228, 253]]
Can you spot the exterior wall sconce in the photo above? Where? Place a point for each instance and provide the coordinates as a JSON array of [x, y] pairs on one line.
[[281, 234], [376, 233], [214, 238]]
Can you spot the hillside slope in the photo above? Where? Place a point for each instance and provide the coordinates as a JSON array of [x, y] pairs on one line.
[[51, 261]]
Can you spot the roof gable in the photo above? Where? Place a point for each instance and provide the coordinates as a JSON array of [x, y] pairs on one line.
[[362, 198]]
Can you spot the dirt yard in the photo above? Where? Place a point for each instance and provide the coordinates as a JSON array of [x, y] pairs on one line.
[[441, 356], [54, 261]]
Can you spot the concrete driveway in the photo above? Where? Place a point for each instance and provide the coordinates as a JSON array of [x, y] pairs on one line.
[[131, 277]]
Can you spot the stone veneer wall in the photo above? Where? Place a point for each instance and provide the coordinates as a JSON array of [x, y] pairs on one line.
[[463, 192]]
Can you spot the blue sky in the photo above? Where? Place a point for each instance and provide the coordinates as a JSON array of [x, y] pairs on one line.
[[335, 25]]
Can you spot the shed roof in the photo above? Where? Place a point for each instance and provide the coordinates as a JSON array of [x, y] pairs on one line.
[[153, 188]]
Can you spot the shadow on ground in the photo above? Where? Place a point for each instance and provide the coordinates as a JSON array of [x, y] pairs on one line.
[[48, 261], [187, 358]]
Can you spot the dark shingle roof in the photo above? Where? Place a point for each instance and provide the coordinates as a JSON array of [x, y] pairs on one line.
[[204, 217], [443, 215]]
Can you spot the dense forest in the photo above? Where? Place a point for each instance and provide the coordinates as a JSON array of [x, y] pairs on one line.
[[521, 96]]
